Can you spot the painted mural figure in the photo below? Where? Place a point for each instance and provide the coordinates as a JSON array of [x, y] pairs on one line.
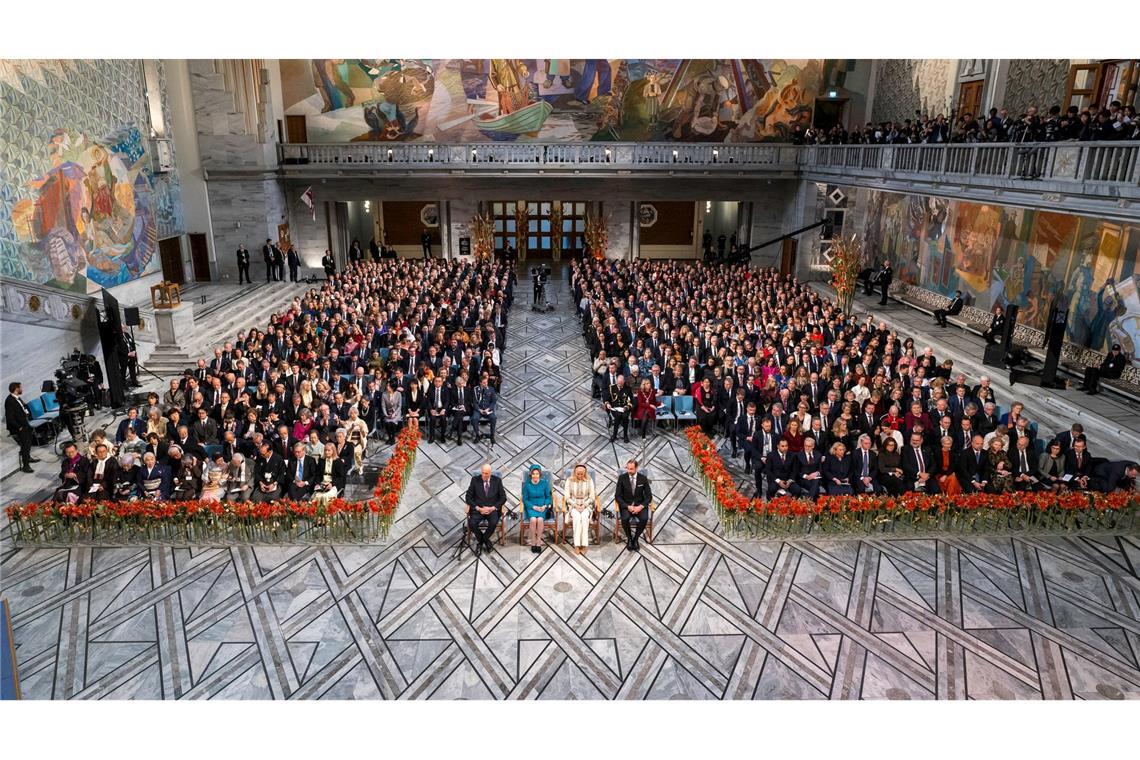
[[557, 67], [330, 76], [509, 78], [652, 94], [592, 69]]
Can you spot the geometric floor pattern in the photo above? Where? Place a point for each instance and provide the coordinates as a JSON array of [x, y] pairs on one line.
[[693, 616]]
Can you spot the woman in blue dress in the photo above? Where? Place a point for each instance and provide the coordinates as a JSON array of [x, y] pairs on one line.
[[537, 501]]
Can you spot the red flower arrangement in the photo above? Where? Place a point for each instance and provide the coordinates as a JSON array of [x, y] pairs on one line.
[[908, 512], [195, 520]]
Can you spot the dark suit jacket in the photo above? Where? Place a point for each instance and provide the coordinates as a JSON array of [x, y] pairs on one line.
[[1030, 458], [967, 467], [910, 463], [494, 496], [1071, 467], [160, 472], [338, 473], [1110, 476], [14, 415], [835, 467], [308, 474], [857, 464], [775, 470], [270, 470], [802, 466], [641, 493], [110, 477]]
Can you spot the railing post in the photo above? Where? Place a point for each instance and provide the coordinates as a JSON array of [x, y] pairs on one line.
[[945, 159]]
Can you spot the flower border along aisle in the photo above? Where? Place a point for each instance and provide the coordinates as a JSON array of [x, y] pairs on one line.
[[113, 523], [907, 514]]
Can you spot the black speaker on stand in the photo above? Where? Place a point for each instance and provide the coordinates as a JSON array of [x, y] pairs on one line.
[[1054, 339], [109, 331]]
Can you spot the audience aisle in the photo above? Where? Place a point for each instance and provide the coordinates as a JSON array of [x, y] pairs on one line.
[[693, 615]]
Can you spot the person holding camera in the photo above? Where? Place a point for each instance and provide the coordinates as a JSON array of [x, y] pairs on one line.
[[19, 422]]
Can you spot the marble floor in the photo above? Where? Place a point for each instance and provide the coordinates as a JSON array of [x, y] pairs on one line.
[[693, 616]]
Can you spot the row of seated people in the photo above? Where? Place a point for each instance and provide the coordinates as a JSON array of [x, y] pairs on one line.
[[183, 477], [758, 351]]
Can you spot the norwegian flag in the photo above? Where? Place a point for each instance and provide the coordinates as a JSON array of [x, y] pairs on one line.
[[307, 199]]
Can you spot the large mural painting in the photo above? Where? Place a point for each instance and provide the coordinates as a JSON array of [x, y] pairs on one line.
[[550, 100], [1003, 255], [80, 208]]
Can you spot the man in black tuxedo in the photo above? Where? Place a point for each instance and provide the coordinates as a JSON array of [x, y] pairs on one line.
[[1067, 437], [243, 265], [808, 476], [763, 444], [972, 466], [781, 472], [916, 463], [485, 498], [19, 422], [886, 275], [953, 309], [746, 430], [294, 263], [1078, 465], [438, 402], [267, 256], [301, 472], [633, 495], [268, 474], [328, 263], [1023, 465]]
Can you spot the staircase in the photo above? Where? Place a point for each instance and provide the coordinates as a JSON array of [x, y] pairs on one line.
[[227, 310]]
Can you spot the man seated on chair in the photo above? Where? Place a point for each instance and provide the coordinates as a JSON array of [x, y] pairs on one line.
[[808, 475], [485, 497], [781, 472], [301, 472], [268, 474], [953, 309], [865, 468], [633, 496], [484, 407]]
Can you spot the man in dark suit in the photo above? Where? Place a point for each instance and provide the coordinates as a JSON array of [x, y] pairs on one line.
[[808, 476], [1023, 465], [267, 256], [916, 463], [746, 430], [243, 265], [294, 263], [1078, 465], [865, 468], [633, 495], [1111, 476], [886, 275], [972, 466], [484, 407], [438, 402], [763, 444], [1067, 437], [485, 498], [460, 407], [19, 422], [952, 310], [301, 474], [268, 474], [780, 472]]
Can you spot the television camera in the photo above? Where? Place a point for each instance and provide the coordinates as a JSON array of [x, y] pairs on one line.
[[540, 277]]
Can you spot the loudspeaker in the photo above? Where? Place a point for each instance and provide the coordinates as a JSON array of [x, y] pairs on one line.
[[1054, 340], [131, 315], [1010, 324]]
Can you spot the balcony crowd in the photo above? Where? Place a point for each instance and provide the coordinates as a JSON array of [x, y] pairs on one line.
[[1116, 122]]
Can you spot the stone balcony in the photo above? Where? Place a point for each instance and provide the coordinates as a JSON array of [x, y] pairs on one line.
[[1092, 178]]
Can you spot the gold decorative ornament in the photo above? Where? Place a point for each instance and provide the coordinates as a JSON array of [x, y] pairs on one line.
[[34, 303]]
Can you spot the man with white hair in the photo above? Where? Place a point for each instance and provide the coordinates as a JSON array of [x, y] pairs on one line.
[[485, 498]]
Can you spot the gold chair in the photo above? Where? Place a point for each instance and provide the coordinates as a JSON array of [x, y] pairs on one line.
[[647, 534]]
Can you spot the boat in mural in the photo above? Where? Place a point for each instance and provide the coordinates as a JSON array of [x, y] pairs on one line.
[[525, 121]]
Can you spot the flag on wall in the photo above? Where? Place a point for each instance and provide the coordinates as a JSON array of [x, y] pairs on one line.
[[307, 199]]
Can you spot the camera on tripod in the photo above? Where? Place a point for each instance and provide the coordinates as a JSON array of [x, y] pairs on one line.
[[539, 277], [77, 381]]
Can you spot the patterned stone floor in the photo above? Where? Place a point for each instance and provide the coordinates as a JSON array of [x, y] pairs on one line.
[[693, 616]]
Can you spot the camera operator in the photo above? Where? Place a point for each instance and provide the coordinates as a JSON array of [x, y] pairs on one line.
[[19, 422]]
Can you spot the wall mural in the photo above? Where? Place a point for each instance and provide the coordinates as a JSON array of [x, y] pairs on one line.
[[998, 254], [458, 100], [79, 206]]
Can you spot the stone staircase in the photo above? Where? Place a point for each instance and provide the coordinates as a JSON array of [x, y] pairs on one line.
[[227, 310]]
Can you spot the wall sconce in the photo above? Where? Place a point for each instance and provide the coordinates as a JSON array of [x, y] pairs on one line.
[[607, 155], [367, 207], [708, 207], [431, 154], [674, 156], [716, 153], [389, 154], [474, 154]]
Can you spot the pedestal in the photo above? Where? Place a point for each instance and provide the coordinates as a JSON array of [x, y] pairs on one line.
[[174, 326]]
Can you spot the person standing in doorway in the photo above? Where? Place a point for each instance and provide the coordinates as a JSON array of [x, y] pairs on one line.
[[243, 266]]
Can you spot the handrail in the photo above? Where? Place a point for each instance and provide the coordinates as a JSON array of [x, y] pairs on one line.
[[1115, 163]]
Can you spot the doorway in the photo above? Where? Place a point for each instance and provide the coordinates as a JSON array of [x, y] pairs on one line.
[[200, 257], [970, 97], [828, 113], [170, 255], [540, 228], [296, 130]]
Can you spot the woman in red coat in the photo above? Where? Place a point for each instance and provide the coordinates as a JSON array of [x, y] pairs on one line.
[[645, 405]]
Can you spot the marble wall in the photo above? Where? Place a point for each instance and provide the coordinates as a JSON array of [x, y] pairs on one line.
[[906, 85], [1037, 82]]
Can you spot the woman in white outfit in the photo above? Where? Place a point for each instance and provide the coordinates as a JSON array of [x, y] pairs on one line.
[[358, 434], [580, 497]]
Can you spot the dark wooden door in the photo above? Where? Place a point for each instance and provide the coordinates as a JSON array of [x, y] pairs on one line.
[[788, 257], [170, 254], [970, 97], [296, 131], [200, 256]]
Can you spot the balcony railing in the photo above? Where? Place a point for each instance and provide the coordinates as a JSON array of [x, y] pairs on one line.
[[1094, 167], [1112, 162], [478, 155]]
